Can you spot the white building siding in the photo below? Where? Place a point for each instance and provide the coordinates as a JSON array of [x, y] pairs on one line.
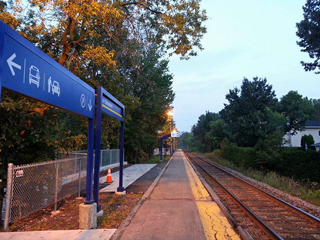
[[296, 139]]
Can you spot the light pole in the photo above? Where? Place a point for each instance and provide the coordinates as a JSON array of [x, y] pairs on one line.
[[170, 114], [174, 140]]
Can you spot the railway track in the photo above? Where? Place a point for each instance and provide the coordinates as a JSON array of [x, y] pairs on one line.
[[261, 214]]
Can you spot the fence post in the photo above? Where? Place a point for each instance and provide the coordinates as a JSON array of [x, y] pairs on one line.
[[7, 212], [111, 156], [56, 188], [79, 180]]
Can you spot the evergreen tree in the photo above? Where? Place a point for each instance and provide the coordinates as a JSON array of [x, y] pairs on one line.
[[309, 34], [247, 112]]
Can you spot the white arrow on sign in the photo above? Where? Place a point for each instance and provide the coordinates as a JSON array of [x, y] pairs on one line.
[[90, 105], [12, 64]]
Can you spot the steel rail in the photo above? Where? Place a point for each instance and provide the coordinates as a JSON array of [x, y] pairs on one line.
[[314, 218], [267, 229], [305, 214]]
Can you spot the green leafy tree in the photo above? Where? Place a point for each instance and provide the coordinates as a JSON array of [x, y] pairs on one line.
[[201, 129], [218, 131], [24, 133], [276, 121], [152, 85], [184, 140], [247, 112], [296, 109], [316, 110], [187, 141], [309, 34]]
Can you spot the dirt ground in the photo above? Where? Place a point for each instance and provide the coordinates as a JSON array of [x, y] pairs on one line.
[[115, 207]]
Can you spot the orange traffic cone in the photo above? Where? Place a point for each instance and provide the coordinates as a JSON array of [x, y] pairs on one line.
[[109, 178]]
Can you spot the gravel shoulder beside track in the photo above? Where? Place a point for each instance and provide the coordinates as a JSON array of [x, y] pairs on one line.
[[308, 207]]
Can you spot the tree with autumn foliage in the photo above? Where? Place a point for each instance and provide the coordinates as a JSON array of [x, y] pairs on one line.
[[177, 25], [119, 45]]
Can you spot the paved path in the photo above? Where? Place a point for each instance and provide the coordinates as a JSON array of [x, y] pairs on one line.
[[179, 207], [130, 174]]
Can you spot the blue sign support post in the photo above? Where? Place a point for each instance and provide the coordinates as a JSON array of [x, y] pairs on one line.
[[97, 151], [89, 199], [109, 105], [121, 188], [161, 139], [165, 147], [2, 25], [27, 70]]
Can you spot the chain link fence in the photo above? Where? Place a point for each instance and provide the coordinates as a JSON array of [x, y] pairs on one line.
[[156, 151], [35, 186], [109, 157]]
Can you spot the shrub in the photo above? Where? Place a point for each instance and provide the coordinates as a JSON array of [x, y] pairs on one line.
[[289, 162], [240, 156], [306, 139]]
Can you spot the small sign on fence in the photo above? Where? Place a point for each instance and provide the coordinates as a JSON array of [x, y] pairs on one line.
[[19, 173]]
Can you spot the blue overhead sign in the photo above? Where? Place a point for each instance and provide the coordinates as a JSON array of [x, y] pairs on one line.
[[111, 106], [29, 71]]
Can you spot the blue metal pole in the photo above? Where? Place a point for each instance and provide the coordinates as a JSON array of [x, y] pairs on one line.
[[97, 151], [90, 162], [165, 147], [1, 54], [121, 188], [161, 150]]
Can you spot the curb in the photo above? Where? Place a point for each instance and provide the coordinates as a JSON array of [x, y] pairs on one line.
[[123, 226]]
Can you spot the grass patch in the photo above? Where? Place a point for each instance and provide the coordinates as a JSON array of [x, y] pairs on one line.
[[306, 190]]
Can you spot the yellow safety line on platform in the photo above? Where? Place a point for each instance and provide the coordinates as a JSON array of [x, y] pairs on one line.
[[215, 224]]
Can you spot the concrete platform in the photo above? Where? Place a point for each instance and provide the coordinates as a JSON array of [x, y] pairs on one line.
[[130, 174], [96, 234], [178, 207]]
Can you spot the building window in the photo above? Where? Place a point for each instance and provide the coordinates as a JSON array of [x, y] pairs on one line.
[[319, 133]]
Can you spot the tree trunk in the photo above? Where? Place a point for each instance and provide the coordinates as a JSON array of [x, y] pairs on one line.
[[70, 29]]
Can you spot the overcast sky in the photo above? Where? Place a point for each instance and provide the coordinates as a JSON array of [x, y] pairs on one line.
[[246, 38]]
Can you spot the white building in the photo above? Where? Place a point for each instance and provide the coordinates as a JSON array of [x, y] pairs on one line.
[[312, 127], [317, 146]]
